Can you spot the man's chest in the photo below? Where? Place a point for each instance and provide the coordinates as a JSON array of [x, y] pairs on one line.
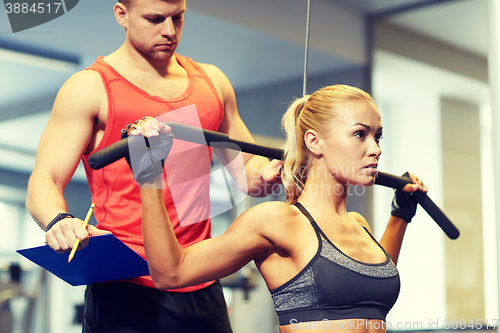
[[163, 88]]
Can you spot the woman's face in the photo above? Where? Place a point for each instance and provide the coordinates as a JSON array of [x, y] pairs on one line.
[[351, 148]]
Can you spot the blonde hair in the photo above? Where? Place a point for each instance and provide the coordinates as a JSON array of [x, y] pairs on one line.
[[310, 112]]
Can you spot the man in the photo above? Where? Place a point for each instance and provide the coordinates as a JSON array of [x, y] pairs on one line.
[[144, 77]]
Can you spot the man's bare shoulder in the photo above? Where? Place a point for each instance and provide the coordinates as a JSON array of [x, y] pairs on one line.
[[215, 74], [84, 90], [223, 86], [209, 68], [85, 79]]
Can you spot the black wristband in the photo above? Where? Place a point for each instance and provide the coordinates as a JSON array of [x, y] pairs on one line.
[[56, 219]]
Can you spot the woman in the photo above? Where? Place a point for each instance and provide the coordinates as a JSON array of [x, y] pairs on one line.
[[321, 264]]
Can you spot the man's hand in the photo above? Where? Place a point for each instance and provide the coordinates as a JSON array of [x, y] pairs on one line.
[[271, 172], [62, 236], [263, 176]]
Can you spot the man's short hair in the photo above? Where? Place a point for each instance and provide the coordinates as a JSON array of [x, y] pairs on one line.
[[126, 3]]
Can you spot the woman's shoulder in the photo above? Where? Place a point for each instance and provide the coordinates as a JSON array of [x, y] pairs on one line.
[[275, 210], [361, 220], [281, 224], [270, 213]]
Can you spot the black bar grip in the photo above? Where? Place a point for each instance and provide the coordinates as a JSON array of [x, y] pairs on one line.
[[117, 150], [109, 154], [192, 134], [183, 132], [423, 199], [388, 180]]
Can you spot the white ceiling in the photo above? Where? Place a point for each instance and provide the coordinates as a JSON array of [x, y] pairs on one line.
[[254, 42], [463, 24]]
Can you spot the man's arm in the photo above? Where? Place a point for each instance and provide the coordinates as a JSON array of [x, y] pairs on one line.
[[66, 136], [259, 174]]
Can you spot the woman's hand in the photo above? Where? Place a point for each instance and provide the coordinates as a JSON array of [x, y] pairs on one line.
[[147, 156], [147, 127], [417, 184], [403, 204]]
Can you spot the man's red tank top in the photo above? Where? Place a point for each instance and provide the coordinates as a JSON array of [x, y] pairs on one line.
[[114, 191]]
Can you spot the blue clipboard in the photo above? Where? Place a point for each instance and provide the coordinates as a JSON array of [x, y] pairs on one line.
[[104, 259]]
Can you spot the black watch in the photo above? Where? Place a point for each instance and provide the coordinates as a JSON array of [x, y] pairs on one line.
[[56, 219]]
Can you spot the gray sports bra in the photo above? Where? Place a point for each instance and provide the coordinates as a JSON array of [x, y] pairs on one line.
[[333, 286]]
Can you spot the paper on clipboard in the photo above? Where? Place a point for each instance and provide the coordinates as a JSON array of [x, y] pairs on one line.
[[105, 259]]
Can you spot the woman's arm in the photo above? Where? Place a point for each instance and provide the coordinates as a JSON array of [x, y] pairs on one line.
[[172, 267], [392, 239]]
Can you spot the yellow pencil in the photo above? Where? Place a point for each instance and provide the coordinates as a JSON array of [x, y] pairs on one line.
[[87, 218]]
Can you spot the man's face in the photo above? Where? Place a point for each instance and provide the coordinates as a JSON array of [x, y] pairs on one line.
[[154, 27]]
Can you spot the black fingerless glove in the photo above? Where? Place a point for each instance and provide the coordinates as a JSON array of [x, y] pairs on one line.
[[147, 155], [403, 204]]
